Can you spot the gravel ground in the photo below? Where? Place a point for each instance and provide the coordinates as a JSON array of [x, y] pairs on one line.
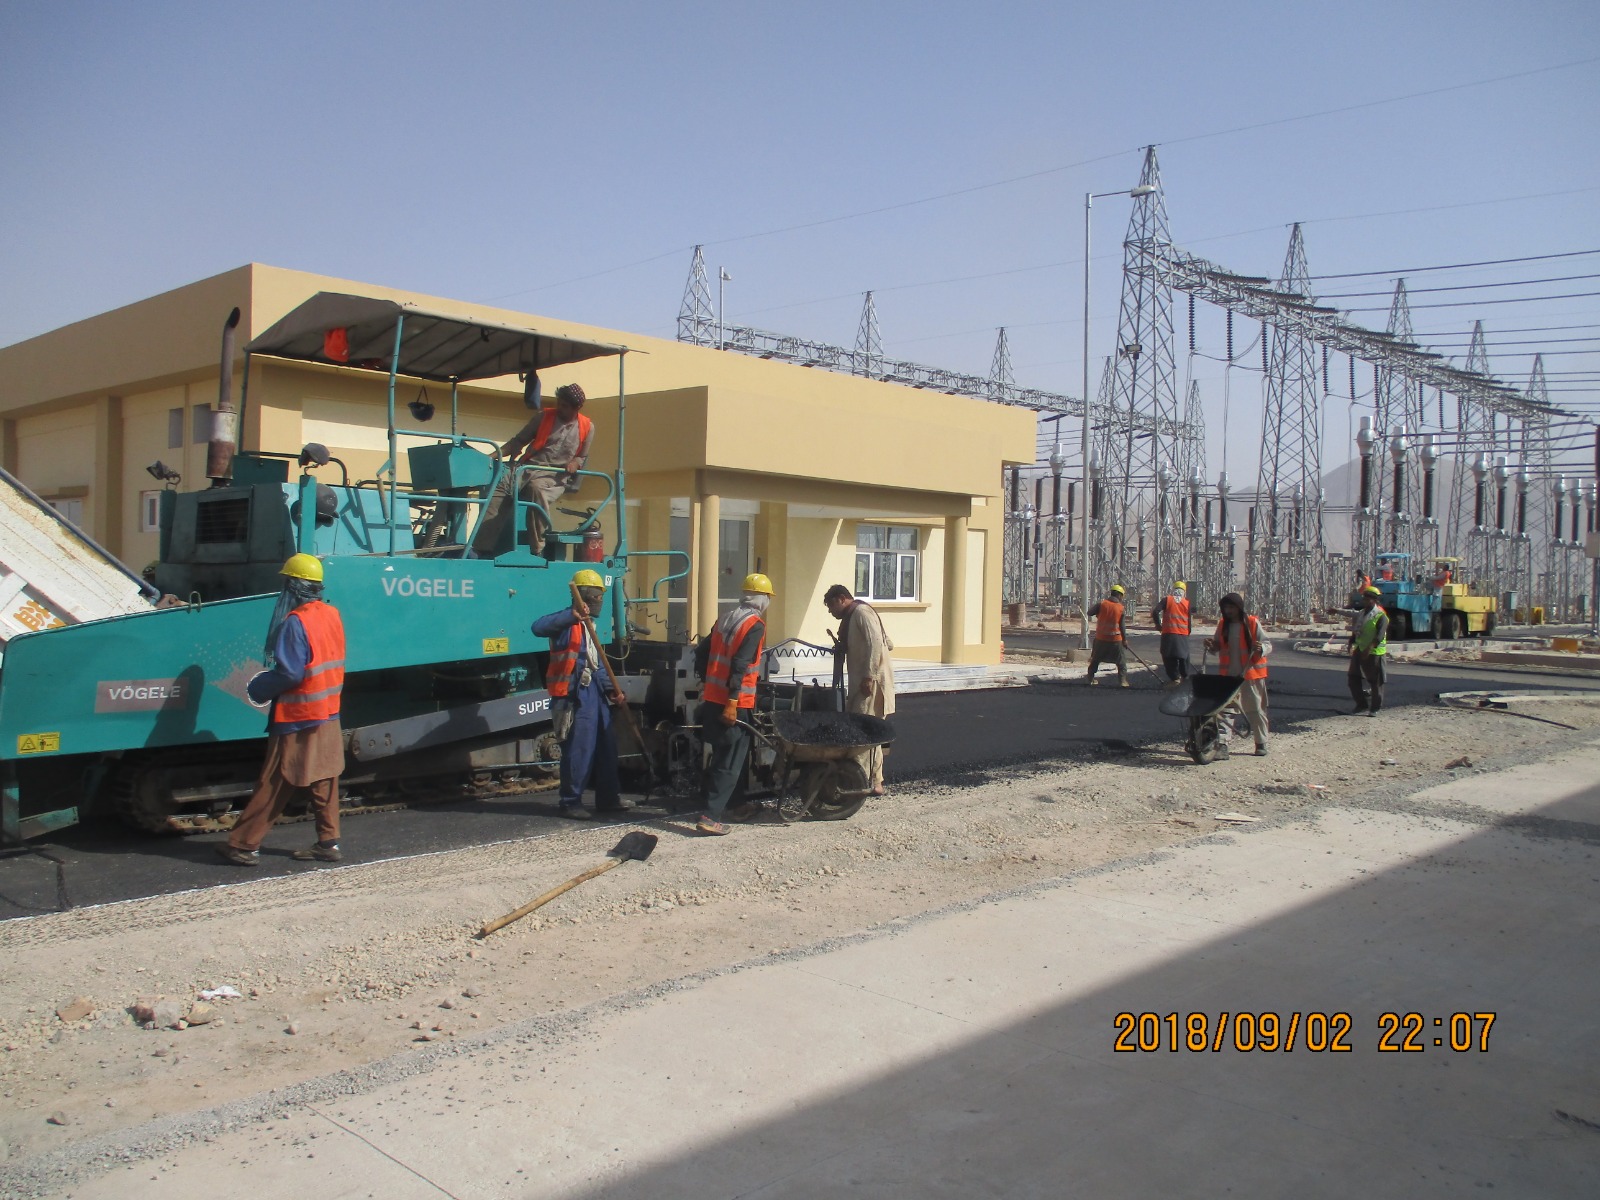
[[354, 977]]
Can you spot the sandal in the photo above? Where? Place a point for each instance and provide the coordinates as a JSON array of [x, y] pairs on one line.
[[707, 825]]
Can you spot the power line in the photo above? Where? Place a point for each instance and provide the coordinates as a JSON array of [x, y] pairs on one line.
[[1488, 262], [1477, 303], [1460, 287]]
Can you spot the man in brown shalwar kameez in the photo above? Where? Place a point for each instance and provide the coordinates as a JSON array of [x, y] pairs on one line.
[[305, 746], [862, 657]]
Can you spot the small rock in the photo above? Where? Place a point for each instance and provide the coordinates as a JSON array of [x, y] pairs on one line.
[[427, 1035], [76, 1009], [1388, 762], [59, 1118], [447, 1002], [472, 993], [1456, 763], [416, 1024], [472, 952], [200, 1013], [180, 1023], [112, 1102], [291, 1029], [162, 1051]]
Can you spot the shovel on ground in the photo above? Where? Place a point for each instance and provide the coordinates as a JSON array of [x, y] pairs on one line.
[[636, 845]]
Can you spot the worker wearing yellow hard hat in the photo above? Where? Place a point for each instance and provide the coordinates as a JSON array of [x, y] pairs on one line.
[[1110, 635], [1172, 617], [733, 667], [301, 688], [581, 702]]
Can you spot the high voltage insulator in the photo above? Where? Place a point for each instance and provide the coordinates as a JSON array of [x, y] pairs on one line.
[[1352, 377], [1264, 367], [1230, 335], [1325, 388], [1191, 323]]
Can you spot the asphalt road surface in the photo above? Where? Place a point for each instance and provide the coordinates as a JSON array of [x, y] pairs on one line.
[[957, 739]]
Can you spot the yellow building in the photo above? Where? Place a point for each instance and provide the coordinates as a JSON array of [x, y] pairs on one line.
[[813, 477]]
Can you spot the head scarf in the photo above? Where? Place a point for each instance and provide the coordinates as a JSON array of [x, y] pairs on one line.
[[295, 593], [1232, 598]]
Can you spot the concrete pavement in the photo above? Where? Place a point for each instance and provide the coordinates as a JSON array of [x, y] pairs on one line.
[[970, 1052]]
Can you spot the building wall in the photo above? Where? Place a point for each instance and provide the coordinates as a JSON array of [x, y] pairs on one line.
[[86, 409]]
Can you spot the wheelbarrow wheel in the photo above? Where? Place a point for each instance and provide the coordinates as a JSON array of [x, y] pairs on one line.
[[1202, 744], [835, 791], [793, 804]]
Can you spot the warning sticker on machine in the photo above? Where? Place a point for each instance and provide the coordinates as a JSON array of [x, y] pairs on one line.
[[497, 645], [39, 743]]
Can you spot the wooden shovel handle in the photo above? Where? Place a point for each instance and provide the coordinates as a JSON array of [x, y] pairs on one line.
[[502, 922], [605, 661]]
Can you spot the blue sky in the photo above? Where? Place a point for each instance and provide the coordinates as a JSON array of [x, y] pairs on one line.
[[562, 159]]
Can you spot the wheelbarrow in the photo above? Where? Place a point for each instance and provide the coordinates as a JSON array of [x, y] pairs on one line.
[[1201, 702], [817, 772]]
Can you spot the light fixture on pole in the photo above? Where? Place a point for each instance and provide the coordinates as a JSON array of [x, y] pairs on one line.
[[722, 328], [1137, 193]]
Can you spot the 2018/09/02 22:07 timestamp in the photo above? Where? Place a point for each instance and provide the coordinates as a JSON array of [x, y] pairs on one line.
[[1317, 1032]]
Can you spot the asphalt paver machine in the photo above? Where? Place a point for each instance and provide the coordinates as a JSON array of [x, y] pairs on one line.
[[147, 713]]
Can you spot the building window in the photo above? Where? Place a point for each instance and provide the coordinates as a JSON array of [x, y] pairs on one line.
[[202, 424], [149, 512], [72, 510], [174, 429], [888, 562]]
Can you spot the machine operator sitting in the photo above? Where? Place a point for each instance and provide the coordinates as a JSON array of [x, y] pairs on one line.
[[557, 438]]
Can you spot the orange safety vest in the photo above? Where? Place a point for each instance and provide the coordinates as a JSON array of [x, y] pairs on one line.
[[1175, 617], [720, 664], [565, 649], [316, 697], [1108, 622], [547, 423], [1256, 662]]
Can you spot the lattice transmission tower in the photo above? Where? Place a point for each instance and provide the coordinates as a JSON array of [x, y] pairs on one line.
[[1392, 517], [697, 320], [1478, 492], [868, 357], [1144, 390], [1001, 379], [1289, 542], [1534, 480]]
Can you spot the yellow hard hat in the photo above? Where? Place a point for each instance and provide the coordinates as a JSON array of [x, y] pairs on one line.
[[1181, 584], [303, 566], [1118, 588], [1371, 591], [588, 578], [757, 582]]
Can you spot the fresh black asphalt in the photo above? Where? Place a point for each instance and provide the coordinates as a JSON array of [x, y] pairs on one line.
[[957, 739]]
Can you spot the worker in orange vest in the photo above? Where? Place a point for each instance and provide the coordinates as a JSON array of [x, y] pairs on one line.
[[305, 747], [733, 667], [555, 442], [1110, 637], [1172, 618], [1242, 652]]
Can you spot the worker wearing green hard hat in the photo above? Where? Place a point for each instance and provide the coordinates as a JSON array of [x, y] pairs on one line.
[[581, 702]]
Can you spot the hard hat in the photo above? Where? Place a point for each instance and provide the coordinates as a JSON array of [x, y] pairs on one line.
[[1118, 588], [303, 566], [588, 578], [1369, 590], [757, 582], [1181, 585]]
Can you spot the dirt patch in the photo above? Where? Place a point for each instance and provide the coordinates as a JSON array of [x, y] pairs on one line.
[[346, 966]]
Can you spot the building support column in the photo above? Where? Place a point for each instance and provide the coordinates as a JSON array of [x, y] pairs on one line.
[[707, 563], [953, 642], [105, 490]]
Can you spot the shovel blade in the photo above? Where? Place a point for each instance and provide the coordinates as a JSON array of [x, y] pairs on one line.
[[636, 845]]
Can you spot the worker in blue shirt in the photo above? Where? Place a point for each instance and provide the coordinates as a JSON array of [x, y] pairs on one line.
[[581, 702]]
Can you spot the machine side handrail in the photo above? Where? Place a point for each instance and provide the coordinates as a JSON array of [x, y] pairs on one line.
[[654, 596]]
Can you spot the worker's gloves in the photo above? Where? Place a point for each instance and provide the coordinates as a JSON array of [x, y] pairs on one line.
[[562, 716], [730, 713]]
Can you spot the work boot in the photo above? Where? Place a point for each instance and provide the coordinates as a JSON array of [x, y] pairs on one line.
[[1372, 712], [1261, 749], [1222, 751], [1124, 683], [318, 852], [1093, 682], [239, 858], [575, 812]]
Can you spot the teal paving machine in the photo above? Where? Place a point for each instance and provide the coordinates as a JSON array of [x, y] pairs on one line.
[[147, 714]]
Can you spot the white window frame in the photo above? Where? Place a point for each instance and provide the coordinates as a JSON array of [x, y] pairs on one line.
[[880, 545], [150, 511]]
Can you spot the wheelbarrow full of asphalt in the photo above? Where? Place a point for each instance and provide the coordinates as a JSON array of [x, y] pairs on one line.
[[1200, 703], [818, 771]]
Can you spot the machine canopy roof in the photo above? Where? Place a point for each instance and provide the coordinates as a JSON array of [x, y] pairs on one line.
[[434, 346]]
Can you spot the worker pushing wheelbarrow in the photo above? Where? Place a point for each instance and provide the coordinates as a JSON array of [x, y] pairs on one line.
[[1208, 702]]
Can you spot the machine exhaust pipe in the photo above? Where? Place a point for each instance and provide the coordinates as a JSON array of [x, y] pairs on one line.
[[224, 418]]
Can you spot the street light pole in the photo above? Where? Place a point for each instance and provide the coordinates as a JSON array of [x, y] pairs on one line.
[[722, 328], [1144, 189]]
